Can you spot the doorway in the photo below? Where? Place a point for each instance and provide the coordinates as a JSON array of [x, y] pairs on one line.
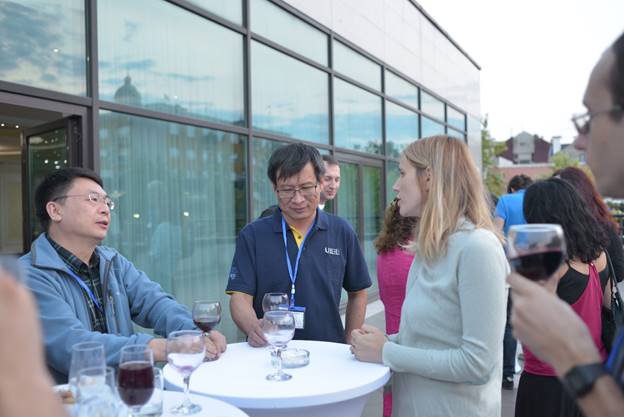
[[33, 142]]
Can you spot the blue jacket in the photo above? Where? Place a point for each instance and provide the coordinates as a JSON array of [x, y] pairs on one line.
[[129, 296]]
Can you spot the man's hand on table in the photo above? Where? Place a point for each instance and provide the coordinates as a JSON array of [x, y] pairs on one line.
[[367, 344], [255, 335], [215, 344]]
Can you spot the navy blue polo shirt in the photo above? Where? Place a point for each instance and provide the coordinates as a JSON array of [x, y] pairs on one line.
[[331, 260]]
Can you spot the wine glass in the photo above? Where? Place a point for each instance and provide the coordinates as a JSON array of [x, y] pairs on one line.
[[278, 327], [536, 251], [84, 355], [135, 379], [206, 315], [275, 301], [185, 352]]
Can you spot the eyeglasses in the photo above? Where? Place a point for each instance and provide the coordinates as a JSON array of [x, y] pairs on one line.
[[288, 194], [582, 121], [94, 198]]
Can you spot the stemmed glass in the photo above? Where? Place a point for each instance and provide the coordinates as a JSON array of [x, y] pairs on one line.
[[278, 327], [274, 301], [536, 251], [185, 352], [135, 379]]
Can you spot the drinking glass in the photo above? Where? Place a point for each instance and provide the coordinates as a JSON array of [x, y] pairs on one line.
[[135, 379], [278, 327], [536, 251], [98, 396], [154, 406], [275, 301], [84, 355], [185, 352]]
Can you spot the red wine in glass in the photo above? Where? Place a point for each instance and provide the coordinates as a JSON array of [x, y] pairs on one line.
[[135, 382], [206, 323], [537, 266]]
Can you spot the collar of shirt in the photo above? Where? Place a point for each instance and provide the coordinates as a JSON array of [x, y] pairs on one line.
[[74, 262]]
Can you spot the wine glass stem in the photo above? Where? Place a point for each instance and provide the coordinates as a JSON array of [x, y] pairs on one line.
[[187, 399], [278, 350]]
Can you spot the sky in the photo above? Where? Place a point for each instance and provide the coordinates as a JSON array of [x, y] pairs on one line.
[[535, 56]]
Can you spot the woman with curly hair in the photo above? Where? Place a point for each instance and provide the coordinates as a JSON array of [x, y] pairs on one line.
[[393, 264], [447, 355], [580, 282]]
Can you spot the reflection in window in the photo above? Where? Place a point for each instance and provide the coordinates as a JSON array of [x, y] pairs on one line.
[[357, 118], [276, 24], [398, 88], [431, 105], [455, 118], [431, 128], [43, 44], [373, 212], [263, 194], [146, 60], [401, 128], [356, 66], [392, 174], [348, 197], [288, 97], [180, 196], [228, 9]]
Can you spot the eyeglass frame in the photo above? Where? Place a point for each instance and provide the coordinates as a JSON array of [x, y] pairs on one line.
[[93, 197], [294, 190], [585, 127]]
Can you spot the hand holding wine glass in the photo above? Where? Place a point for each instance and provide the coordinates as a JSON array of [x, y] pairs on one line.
[[206, 315], [536, 251], [135, 378], [279, 328], [185, 352]]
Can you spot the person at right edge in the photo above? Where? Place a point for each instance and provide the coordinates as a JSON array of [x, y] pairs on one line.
[[543, 322]]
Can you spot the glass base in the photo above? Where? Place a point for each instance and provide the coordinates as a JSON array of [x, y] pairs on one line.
[[278, 376], [185, 409]]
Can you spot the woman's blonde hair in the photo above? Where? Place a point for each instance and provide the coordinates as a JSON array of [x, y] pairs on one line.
[[455, 191]]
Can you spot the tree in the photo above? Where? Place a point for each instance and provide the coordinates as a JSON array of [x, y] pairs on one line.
[[562, 160], [490, 149]]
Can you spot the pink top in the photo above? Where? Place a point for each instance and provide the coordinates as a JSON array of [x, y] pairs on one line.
[[589, 308], [392, 269]]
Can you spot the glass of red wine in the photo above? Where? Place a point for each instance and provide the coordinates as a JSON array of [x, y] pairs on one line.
[[206, 315], [135, 378], [536, 251], [185, 352]]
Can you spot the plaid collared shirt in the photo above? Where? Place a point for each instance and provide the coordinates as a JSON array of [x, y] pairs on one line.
[[90, 274]]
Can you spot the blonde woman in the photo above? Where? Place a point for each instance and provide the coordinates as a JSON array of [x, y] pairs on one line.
[[447, 355]]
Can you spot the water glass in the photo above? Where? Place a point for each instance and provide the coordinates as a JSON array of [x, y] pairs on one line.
[[275, 301], [98, 396], [84, 355], [186, 350], [154, 406], [279, 328]]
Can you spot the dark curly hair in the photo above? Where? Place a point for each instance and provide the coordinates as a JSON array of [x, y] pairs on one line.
[[555, 201], [585, 187], [395, 230]]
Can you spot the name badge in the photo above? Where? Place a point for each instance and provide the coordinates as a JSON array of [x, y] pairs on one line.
[[299, 315]]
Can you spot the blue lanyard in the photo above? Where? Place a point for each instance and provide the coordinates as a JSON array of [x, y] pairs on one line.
[[293, 276], [86, 288]]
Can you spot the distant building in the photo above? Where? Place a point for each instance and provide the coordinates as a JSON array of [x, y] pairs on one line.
[[525, 148]]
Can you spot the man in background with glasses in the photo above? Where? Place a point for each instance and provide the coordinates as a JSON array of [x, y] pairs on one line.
[[86, 292], [302, 251], [543, 322]]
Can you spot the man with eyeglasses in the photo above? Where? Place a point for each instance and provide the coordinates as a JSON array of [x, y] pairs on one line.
[[543, 322], [302, 251], [86, 292]]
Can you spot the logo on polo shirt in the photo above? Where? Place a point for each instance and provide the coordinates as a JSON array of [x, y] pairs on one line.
[[233, 273], [332, 251]]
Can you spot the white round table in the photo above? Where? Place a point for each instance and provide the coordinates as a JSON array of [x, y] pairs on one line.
[[210, 406], [334, 384]]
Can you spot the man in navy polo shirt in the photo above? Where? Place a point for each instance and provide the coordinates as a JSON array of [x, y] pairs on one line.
[[302, 248]]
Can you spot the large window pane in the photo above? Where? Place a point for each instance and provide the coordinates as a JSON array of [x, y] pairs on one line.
[[275, 23], [160, 57], [431, 128], [400, 89], [43, 44], [356, 66], [288, 97], [348, 197], [401, 128], [371, 181], [263, 194], [455, 118], [357, 118], [431, 105], [228, 9], [181, 200]]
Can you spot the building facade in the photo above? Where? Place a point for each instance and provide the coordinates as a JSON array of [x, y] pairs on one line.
[[178, 104]]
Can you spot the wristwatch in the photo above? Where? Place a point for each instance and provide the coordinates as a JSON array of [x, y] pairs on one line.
[[579, 380]]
